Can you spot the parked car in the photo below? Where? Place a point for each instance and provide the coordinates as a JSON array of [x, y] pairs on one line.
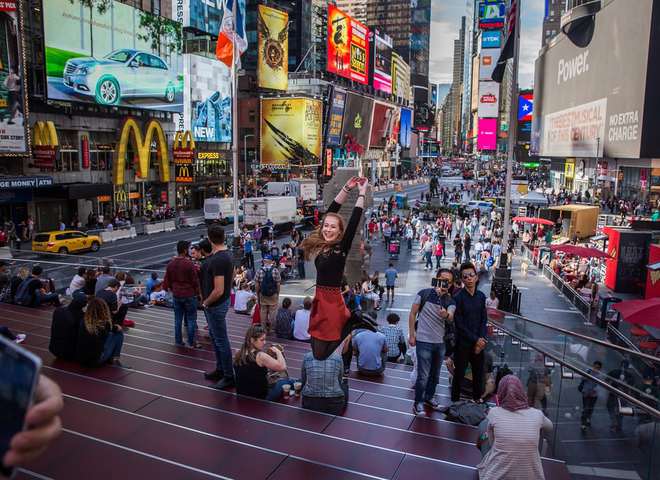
[[65, 241], [121, 73], [482, 206]]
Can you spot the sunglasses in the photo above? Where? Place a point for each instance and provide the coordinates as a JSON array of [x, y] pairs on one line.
[[465, 276]]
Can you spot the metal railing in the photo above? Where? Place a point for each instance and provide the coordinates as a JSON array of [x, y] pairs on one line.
[[569, 292]]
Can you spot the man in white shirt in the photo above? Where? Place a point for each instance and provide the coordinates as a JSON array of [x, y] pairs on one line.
[[244, 300], [301, 321]]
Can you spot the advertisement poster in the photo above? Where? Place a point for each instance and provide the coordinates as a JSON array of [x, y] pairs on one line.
[[291, 130], [126, 57], [273, 56], [400, 77], [491, 39], [487, 63], [333, 137], [489, 94], [348, 46], [576, 132], [385, 121], [487, 137], [405, 127], [357, 118], [491, 15], [382, 62], [12, 125], [207, 99]]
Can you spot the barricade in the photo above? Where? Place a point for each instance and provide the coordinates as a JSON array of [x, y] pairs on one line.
[[191, 221], [167, 226], [119, 234]]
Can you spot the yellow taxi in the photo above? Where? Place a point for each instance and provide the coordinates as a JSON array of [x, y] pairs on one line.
[[65, 241]]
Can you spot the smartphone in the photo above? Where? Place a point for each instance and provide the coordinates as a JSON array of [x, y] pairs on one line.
[[19, 374]]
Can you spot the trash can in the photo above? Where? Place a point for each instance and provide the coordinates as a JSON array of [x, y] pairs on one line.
[[401, 201]]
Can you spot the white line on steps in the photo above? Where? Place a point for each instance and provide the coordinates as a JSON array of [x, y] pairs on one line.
[[560, 310]]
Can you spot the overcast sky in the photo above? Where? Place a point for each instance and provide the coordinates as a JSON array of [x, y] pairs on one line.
[[446, 22]]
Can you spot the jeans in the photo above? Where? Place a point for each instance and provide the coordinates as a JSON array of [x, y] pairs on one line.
[[429, 260], [301, 270], [438, 260], [429, 363], [249, 260], [216, 317], [112, 347], [409, 243], [275, 392], [185, 307]]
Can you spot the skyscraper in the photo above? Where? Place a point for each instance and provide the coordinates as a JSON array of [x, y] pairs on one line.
[[552, 19], [355, 8]]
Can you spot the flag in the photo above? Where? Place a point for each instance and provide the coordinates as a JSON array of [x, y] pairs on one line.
[[228, 34], [525, 107], [509, 45]]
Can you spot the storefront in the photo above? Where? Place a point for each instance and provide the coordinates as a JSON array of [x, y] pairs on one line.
[[208, 176], [17, 194]]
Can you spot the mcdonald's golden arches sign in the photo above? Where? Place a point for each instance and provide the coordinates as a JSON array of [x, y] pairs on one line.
[[44, 144], [183, 151], [142, 143]]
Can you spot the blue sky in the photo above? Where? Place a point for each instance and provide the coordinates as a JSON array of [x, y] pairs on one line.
[[446, 21]]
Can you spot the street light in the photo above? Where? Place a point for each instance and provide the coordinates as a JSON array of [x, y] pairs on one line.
[[245, 161]]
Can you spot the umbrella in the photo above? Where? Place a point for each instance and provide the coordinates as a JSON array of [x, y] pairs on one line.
[[640, 312], [579, 251], [538, 221]]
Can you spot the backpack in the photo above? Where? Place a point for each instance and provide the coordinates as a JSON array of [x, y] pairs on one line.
[[268, 285], [466, 412], [23, 296]]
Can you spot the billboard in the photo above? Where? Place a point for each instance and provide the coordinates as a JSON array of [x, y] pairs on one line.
[[487, 136], [12, 118], [357, 118], [382, 62], [291, 131], [122, 57], [487, 62], [385, 122], [273, 54], [492, 15], [348, 46], [207, 99], [604, 111], [405, 127], [400, 77], [333, 137], [491, 39], [489, 94]]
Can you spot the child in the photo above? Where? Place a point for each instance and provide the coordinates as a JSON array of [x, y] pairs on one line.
[[394, 338], [284, 320]]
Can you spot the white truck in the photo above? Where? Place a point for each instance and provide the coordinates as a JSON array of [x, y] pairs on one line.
[[282, 211], [220, 210], [305, 189]]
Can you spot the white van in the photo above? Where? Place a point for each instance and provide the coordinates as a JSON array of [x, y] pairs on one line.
[[282, 211], [220, 210]]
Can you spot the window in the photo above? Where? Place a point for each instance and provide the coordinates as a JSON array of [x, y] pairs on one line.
[[155, 7], [157, 63]]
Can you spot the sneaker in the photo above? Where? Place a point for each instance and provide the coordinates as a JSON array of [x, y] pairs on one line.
[[215, 375], [225, 383], [432, 404], [128, 323], [196, 345], [117, 363], [20, 338], [583, 427], [418, 408], [347, 372]]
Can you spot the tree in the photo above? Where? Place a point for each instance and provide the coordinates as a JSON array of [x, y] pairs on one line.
[[101, 7], [161, 32]]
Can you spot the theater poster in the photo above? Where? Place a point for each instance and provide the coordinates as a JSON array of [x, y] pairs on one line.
[[273, 55]]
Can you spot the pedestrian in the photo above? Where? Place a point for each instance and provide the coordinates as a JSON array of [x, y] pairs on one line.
[[330, 320], [458, 248], [438, 252], [409, 234], [248, 248], [427, 324], [182, 281], [589, 390], [391, 275], [216, 280], [427, 253], [471, 320], [394, 338], [268, 281], [467, 246], [387, 233]]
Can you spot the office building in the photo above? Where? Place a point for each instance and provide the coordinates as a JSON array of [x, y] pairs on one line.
[[355, 8], [552, 19]]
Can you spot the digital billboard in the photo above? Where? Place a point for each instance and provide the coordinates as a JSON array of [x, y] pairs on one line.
[[405, 130], [487, 136], [348, 46], [127, 57], [487, 62], [273, 55], [291, 131], [491, 39], [382, 62], [12, 118], [489, 94], [333, 137], [385, 122], [357, 118], [525, 115], [492, 15], [400, 77], [207, 99]]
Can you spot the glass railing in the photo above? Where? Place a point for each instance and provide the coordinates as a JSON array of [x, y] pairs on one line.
[[606, 422]]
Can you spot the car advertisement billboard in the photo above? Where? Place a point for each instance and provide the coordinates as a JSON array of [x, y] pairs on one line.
[[348, 46], [207, 99], [384, 124], [487, 136], [491, 15], [489, 94], [12, 119], [405, 130], [487, 62], [382, 62], [273, 53], [291, 131], [124, 57], [333, 137], [357, 119], [586, 108], [491, 39]]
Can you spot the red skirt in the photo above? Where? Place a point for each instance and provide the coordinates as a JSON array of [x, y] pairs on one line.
[[329, 314]]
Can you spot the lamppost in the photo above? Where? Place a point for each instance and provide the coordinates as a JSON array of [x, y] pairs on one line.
[[245, 161]]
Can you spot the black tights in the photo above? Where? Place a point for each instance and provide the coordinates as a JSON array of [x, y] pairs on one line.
[[322, 349]]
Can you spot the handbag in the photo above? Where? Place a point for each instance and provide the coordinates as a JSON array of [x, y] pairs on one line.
[[256, 316]]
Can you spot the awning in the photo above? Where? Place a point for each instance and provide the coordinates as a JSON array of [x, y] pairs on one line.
[[654, 267], [74, 191]]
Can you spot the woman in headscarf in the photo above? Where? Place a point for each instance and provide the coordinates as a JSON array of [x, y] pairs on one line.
[[513, 432]]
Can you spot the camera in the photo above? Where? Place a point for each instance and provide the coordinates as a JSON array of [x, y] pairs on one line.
[[440, 282]]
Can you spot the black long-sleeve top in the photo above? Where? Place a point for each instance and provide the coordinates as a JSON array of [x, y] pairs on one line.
[[330, 265], [471, 316]]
